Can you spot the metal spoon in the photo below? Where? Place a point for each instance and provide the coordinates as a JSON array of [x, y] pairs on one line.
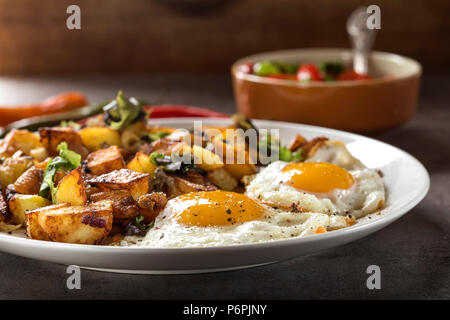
[[362, 39]]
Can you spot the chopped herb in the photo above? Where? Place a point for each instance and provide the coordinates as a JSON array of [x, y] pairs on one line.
[[273, 147], [157, 136], [154, 156], [71, 124], [137, 227], [122, 111], [67, 160]]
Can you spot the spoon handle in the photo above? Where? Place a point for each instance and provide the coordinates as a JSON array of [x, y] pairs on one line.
[[362, 39]]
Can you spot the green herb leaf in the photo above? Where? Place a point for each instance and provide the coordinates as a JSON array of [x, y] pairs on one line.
[[154, 156], [72, 157], [122, 111], [67, 160], [71, 124], [157, 136], [274, 147], [137, 227]]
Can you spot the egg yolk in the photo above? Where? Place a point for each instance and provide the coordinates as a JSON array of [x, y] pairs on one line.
[[319, 177], [217, 208]]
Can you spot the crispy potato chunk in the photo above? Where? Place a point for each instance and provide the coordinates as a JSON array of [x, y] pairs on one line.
[[71, 189], [310, 148], [20, 140], [19, 204], [240, 164], [222, 179], [105, 160], [52, 137], [203, 158], [34, 229], [124, 207], [141, 163], [151, 205], [30, 181], [76, 224], [297, 142], [3, 207], [95, 138], [190, 182], [12, 168], [135, 182]]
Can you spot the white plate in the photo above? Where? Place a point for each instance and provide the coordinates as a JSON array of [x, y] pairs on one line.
[[405, 178]]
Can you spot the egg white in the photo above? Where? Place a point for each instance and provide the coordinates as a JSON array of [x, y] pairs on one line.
[[272, 225], [365, 196]]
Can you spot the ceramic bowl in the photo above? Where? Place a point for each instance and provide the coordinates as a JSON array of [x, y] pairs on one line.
[[384, 102]]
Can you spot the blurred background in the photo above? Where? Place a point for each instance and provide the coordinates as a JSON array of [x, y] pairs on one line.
[[202, 36]]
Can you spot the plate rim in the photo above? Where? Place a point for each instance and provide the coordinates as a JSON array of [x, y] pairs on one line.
[[385, 220]]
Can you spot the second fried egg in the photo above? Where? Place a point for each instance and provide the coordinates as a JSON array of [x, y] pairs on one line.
[[331, 181]]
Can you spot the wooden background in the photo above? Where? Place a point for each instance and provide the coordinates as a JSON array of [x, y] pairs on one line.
[[148, 36]]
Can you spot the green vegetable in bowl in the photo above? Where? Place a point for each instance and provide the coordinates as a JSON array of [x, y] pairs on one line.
[[288, 68], [331, 69], [265, 68]]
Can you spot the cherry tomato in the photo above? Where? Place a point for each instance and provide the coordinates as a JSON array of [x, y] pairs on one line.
[[350, 75], [246, 68], [283, 76], [309, 72]]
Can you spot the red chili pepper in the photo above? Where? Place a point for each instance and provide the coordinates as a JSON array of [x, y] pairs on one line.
[[180, 111], [309, 72], [283, 76], [350, 75], [62, 102]]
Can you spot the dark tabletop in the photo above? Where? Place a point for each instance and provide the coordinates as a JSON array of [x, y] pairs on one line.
[[413, 253]]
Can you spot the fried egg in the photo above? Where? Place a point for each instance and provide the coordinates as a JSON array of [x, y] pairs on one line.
[[214, 218], [330, 181]]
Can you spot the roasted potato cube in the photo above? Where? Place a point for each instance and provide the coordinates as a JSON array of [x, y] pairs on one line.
[[310, 148], [77, 224], [297, 142], [30, 181], [151, 205], [12, 168], [3, 207], [105, 160], [203, 158], [222, 179], [40, 154], [191, 182], [95, 138], [239, 171], [124, 206], [142, 163], [20, 140], [34, 229], [135, 182], [20, 203], [71, 189], [52, 137], [239, 164]]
